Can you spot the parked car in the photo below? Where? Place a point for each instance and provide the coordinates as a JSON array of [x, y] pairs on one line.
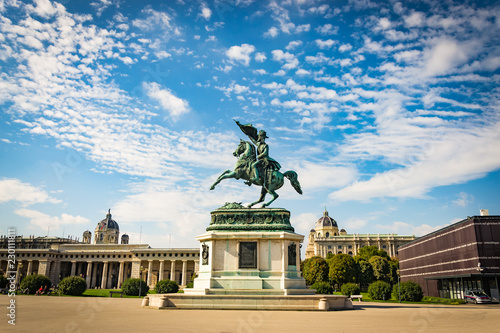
[[476, 296]]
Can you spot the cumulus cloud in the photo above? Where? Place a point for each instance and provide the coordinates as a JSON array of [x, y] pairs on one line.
[[40, 221], [174, 105], [241, 53], [26, 194], [206, 13], [289, 59]]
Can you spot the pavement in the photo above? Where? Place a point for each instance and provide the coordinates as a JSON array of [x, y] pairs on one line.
[[102, 314]]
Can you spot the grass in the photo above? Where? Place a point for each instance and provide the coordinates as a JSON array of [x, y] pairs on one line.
[[105, 293], [425, 300]]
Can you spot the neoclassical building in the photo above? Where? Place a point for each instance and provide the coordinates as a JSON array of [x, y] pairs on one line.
[[326, 238], [105, 263]]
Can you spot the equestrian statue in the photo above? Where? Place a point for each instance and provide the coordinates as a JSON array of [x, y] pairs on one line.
[[256, 167]]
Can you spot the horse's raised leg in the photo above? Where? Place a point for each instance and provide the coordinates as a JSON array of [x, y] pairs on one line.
[[263, 193], [226, 174], [275, 196]]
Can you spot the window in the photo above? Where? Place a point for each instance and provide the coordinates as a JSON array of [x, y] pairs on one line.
[[349, 247], [327, 234], [340, 246]]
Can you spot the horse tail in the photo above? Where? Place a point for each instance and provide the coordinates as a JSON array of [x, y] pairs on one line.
[[294, 180]]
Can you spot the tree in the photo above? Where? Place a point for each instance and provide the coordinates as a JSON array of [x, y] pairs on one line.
[[380, 268], [365, 273], [343, 269], [315, 269], [393, 270], [369, 251]]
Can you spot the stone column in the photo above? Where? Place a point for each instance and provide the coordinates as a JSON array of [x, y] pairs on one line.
[[30, 267], [18, 271], [110, 273], [73, 268], [104, 279], [135, 272], [42, 267], [150, 272], [172, 270], [93, 282], [184, 272], [162, 268], [120, 274], [88, 276]]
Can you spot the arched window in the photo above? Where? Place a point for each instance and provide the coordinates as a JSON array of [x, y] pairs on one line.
[[327, 234], [350, 253], [335, 234]]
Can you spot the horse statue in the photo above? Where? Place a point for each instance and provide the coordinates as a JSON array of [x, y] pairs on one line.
[[269, 178]]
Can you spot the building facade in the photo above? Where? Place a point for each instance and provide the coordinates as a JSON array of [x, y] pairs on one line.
[[104, 264], [462, 256], [326, 238]]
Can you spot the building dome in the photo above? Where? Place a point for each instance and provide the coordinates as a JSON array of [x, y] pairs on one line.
[[107, 231], [108, 223], [326, 221]]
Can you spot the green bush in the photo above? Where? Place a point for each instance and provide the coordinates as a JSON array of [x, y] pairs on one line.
[[349, 289], [73, 285], [34, 282], [190, 285], [439, 300], [322, 287], [379, 290], [166, 287], [132, 286], [3, 281], [410, 292]]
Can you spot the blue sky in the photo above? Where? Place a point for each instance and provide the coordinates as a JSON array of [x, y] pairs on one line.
[[388, 111]]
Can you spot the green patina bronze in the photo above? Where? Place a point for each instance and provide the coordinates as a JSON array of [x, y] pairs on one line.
[[235, 217], [256, 167]]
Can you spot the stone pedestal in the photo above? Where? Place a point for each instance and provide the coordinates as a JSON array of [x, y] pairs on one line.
[[249, 252]]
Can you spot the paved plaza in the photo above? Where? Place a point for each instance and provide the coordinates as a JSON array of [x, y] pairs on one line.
[[99, 314]]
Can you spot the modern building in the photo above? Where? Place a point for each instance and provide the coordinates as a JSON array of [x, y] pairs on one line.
[[105, 263], [449, 261], [326, 238]]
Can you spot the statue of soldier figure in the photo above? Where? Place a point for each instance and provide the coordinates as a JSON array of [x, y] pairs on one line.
[[258, 169]]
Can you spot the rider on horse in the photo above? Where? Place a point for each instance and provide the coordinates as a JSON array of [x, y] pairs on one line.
[[263, 160]]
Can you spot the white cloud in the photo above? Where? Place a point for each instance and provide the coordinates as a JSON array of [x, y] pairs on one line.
[[345, 47], [444, 56], [206, 13], [327, 29], [26, 194], [290, 60], [41, 221], [168, 101], [302, 28], [260, 57], [293, 45], [441, 161], [324, 44], [403, 228], [241, 53], [154, 20], [272, 32], [463, 199]]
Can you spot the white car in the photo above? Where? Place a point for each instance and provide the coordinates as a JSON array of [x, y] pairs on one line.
[[476, 297]]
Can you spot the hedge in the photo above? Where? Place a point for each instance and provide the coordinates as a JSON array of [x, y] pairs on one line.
[[349, 289], [322, 287], [166, 287], [132, 286], [73, 285], [410, 292], [34, 282], [379, 290]]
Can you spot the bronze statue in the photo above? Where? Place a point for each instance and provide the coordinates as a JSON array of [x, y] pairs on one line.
[[258, 169]]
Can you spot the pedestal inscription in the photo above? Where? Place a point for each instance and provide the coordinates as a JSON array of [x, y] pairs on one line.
[[248, 255]]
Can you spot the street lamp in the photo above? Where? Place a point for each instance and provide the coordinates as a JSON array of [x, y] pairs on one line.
[[399, 286], [140, 280]]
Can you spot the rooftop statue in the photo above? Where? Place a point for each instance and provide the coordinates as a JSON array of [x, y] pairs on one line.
[[258, 168]]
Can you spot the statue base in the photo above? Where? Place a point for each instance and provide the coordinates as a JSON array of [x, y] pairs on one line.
[[249, 251], [249, 259]]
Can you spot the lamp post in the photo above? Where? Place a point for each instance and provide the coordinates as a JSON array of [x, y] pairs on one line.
[[140, 280]]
